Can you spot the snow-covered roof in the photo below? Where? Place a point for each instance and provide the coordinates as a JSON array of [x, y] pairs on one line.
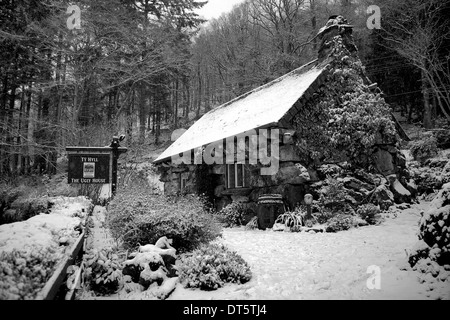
[[260, 108]]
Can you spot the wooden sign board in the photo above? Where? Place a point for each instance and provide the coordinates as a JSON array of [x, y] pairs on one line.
[[89, 168]]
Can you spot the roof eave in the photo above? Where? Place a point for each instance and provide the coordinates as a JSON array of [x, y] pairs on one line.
[[266, 126]]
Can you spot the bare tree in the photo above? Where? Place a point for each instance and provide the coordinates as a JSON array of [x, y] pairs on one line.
[[417, 30]]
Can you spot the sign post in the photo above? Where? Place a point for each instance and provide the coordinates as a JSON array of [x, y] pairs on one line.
[[91, 165], [115, 151]]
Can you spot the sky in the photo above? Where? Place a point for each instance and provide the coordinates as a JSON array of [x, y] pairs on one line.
[[214, 8]]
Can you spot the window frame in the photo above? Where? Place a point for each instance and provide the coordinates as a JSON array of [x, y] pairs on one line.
[[183, 180], [235, 176]]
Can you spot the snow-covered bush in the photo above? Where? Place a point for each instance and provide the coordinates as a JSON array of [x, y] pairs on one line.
[[435, 227], [431, 176], [427, 179], [443, 137], [30, 250], [103, 271], [331, 170], [334, 200], [434, 231], [23, 274], [8, 194], [211, 266], [335, 197], [323, 215], [425, 148], [26, 208], [151, 271], [233, 214], [419, 251], [370, 213], [341, 222], [21, 200], [136, 216]]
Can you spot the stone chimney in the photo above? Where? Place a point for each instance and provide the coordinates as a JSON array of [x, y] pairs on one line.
[[336, 25]]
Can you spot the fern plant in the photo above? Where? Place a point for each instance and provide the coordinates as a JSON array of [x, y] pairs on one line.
[[294, 219], [290, 219]]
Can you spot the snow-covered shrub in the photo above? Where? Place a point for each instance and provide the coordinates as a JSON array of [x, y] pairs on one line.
[[341, 222], [334, 197], [211, 266], [23, 274], [8, 194], [233, 214], [418, 252], [331, 170], [30, 207], [425, 148], [21, 200], [435, 227], [136, 216], [323, 215], [103, 271], [370, 213], [427, 179], [443, 138], [434, 231]]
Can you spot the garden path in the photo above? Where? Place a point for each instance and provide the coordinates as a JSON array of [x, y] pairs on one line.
[[294, 266]]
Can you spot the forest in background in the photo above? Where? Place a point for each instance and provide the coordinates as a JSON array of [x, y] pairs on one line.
[[136, 67]]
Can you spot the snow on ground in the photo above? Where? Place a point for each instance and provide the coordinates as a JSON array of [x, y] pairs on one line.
[[100, 236], [294, 266], [71, 207]]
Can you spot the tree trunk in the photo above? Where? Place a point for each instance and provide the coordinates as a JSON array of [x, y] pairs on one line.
[[176, 104], [426, 104], [3, 102], [10, 131], [28, 131], [434, 111], [129, 117], [188, 97], [199, 105], [21, 134], [313, 22], [142, 113]]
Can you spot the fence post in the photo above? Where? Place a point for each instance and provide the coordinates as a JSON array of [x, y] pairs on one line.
[[115, 145]]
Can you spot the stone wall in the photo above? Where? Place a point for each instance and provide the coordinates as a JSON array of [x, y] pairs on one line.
[[173, 177], [291, 180]]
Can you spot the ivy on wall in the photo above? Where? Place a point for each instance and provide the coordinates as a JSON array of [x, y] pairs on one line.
[[345, 119]]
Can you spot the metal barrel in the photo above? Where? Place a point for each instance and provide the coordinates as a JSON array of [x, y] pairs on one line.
[[270, 206]]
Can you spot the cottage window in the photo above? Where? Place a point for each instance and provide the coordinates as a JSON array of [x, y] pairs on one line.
[[237, 177], [183, 182]]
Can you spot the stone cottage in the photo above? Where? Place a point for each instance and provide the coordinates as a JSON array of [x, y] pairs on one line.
[[246, 147]]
